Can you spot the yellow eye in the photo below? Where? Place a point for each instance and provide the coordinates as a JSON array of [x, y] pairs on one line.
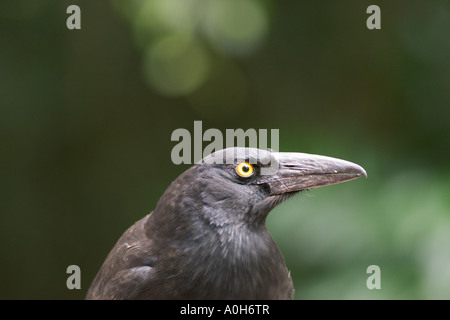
[[244, 169]]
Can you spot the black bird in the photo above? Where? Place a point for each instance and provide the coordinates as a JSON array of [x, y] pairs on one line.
[[207, 239]]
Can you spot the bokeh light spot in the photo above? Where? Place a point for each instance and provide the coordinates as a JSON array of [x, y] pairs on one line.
[[235, 26], [156, 17], [176, 65]]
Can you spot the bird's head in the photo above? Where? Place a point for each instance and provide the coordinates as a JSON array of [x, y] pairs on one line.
[[206, 238], [244, 184], [261, 179]]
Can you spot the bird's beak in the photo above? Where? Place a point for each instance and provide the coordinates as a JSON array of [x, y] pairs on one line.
[[300, 171]]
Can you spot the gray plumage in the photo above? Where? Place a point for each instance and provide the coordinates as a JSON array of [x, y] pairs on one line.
[[207, 239]]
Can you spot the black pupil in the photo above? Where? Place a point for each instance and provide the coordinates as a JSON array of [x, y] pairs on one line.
[[246, 168]]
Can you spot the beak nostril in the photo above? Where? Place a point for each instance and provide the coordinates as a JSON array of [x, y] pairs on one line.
[[266, 188]]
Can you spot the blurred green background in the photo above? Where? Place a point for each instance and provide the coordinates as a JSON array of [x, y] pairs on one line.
[[86, 118]]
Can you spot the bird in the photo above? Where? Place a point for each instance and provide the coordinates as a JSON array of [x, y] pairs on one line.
[[206, 239]]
